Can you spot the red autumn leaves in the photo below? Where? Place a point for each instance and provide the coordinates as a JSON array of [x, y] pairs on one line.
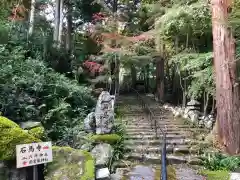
[[93, 67]]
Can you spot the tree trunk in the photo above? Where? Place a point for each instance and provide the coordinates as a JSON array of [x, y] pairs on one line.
[[227, 87], [60, 33], [117, 75], [113, 45], [69, 27], [184, 89], [31, 19], [57, 21], [160, 78], [213, 105], [134, 76], [147, 79], [206, 102]]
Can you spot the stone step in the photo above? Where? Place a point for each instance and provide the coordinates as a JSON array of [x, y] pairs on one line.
[[158, 142], [152, 132], [140, 112], [156, 158], [140, 126], [159, 123], [180, 149], [136, 111], [153, 136], [145, 130], [168, 130], [126, 164], [147, 120]]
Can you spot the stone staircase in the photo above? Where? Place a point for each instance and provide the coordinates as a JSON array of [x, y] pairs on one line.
[[144, 147]]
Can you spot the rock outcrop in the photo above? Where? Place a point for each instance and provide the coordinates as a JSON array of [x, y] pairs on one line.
[[71, 164]]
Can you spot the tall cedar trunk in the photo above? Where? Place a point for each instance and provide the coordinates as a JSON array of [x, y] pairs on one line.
[[117, 76], [31, 18], [69, 27], [227, 87], [147, 79], [160, 78], [114, 70], [60, 33], [57, 21]]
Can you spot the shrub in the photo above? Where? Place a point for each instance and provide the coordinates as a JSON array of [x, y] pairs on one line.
[[218, 161], [29, 90]]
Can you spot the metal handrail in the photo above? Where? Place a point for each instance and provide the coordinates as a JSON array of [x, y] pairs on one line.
[[146, 108]]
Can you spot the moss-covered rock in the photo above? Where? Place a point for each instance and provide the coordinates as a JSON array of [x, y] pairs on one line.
[[70, 164], [10, 136], [216, 175], [6, 123], [106, 138], [30, 124], [37, 132]]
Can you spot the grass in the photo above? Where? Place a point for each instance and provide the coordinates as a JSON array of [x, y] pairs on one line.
[[215, 175]]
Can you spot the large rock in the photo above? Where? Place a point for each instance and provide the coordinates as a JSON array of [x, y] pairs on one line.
[[70, 164], [103, 173], [209, 124], [89, 123], [234, 176], [10, 136], [8, 171], [193, 103], [178, 112], [30, 124], [193, 116], [104, 113], [116, 176], [102, 153]]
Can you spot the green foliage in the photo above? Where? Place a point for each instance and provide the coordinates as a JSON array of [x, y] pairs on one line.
[[37, 132], [197, 69], [217, 161], [10, 136], [119, 146], [74, 137], [31, 91], [191, 24]]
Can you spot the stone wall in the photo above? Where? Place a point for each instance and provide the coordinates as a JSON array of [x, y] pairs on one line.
[[192, 113]]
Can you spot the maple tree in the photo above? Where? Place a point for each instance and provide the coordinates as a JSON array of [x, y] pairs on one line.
[[93, 67]]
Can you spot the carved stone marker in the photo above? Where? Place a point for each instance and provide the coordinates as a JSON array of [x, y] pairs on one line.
[[104, 113]]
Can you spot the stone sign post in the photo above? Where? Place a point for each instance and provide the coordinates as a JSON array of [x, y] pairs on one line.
[[33, 154]]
